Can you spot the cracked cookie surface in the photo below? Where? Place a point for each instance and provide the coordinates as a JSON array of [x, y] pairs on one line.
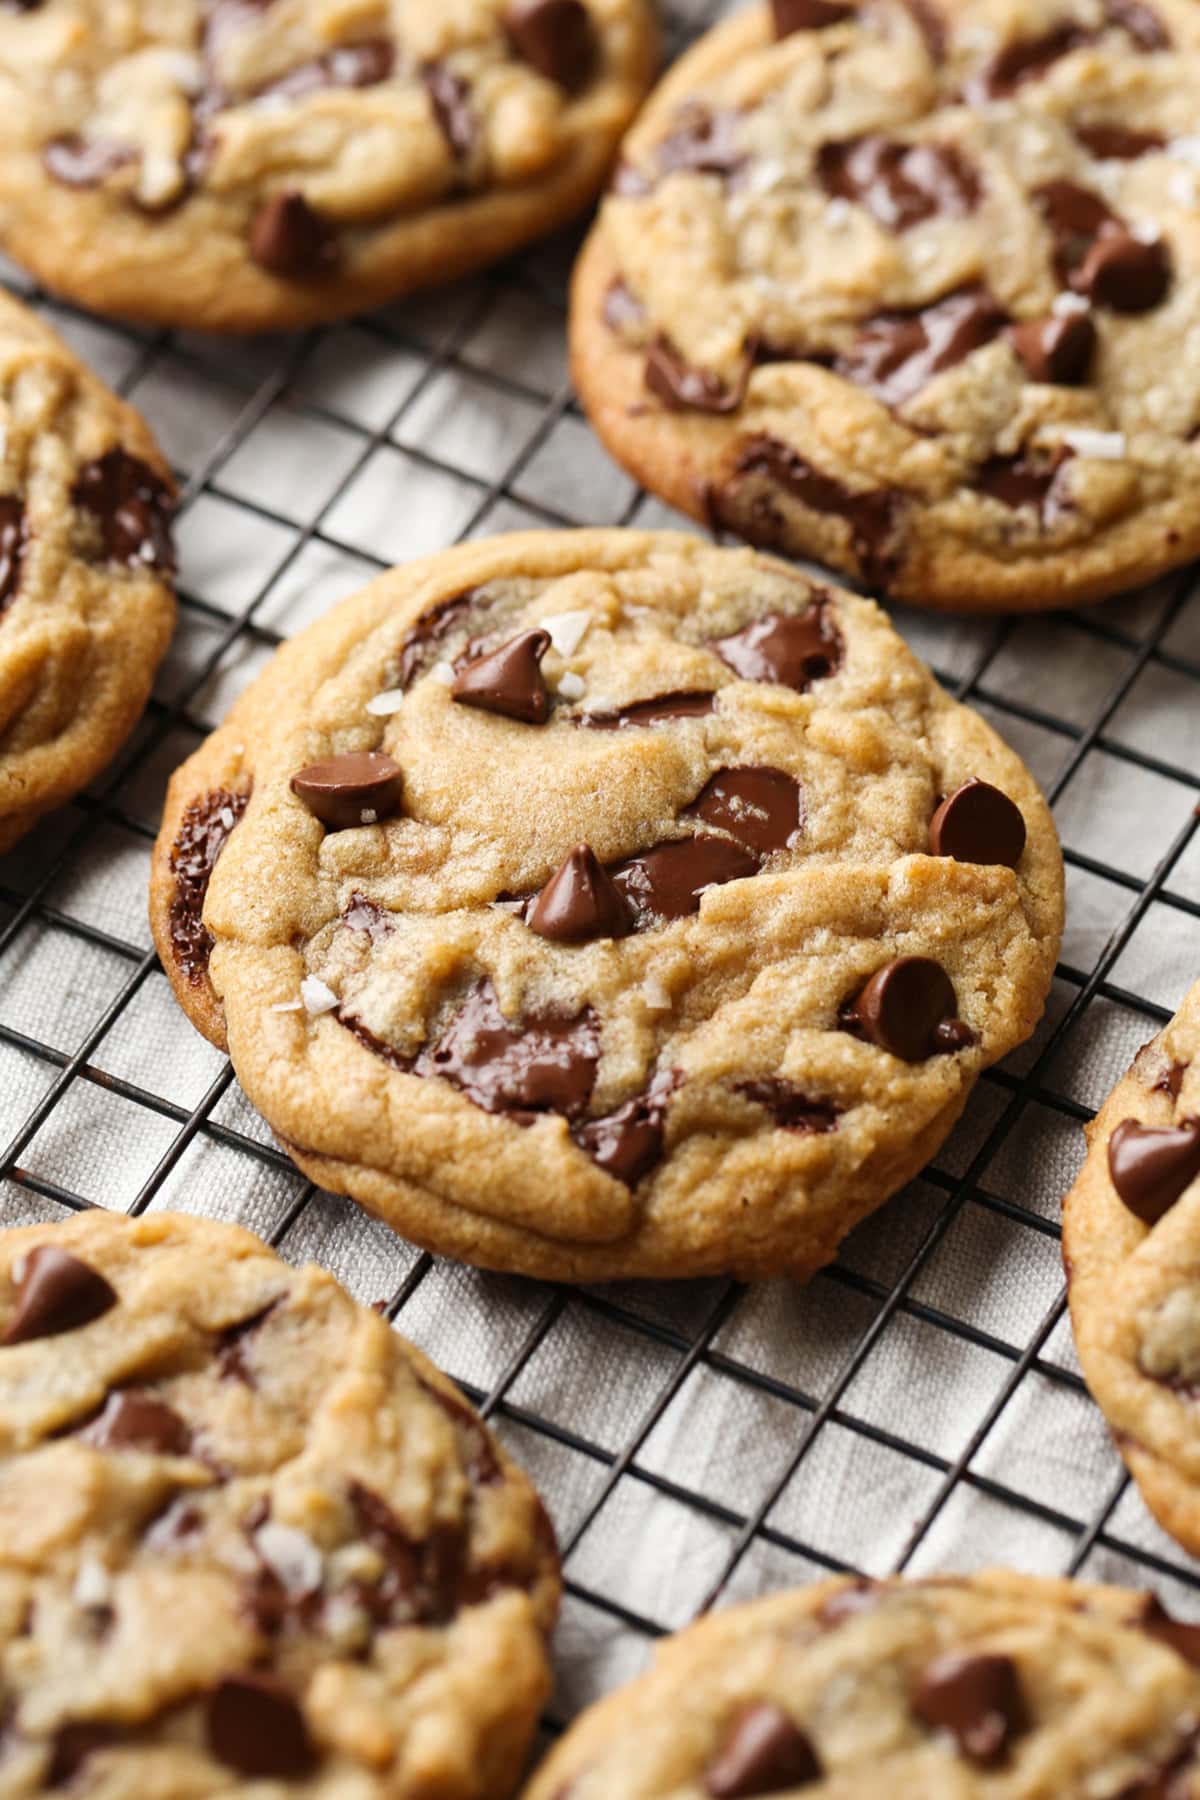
[[259, 164], [1005, 1685], [1131, 1226], [86, 606], [590, 903], [913, 288], [251, 1541]]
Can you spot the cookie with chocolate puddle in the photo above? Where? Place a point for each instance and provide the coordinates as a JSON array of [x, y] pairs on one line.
[[558, 892]]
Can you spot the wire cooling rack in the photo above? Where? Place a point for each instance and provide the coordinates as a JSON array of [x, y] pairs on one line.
[[918, 1405]]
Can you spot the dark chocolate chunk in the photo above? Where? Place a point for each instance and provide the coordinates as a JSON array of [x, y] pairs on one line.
[[71, 1747], [1020, 480], [1169, 1780], [932, 27], [56, 1292], [360, 65], [13, 535], [763, 1752], [793, 649], [343, 789], [364, 915], [421, 640], [133, 1419], [1171, 1081], [289, 238], [899, 184], [80, 164], [871, 515], [807, 15], [579, 902], [908, 1008], [423, 1579], [689, 704], [255, 1725], [702, 142], [450, 98], [203, 834], [1124, 272], [762, 808], [896, 353], [1074, 217], [1140, 22], [1026, 59], [1177, 1634], [555, 37], [508, 681], [540, 1062], [622, 308], [683, 388], [790, 1107], [480, 1460], [1119, 143], [232, 1345], [1057, 348], [978, 823], [667, 881], [628, 1143], [976, 1698], [132, 506], [1151, 1165]]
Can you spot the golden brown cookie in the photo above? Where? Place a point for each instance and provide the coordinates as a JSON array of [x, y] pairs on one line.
[[914, 288]]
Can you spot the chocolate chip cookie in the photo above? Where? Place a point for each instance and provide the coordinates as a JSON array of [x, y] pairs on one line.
[[258, 164], [1131, 1225], [601, 903], [86, 606], [250, 1539], [1001, 1684], [914, 287]]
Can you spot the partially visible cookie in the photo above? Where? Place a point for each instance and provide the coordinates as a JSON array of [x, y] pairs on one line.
[[913, 287], [1131, 1245], [86, 606], [259, 164], [999, 1685], [602, 903], [251, 1541]]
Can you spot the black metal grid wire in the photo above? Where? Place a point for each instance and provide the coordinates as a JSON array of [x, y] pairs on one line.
[[895, 1283]]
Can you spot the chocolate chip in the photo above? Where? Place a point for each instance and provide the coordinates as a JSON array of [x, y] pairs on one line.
[[13, 537], [668, 881], [760, 807], [132, 506], [1177, 1634], [793, 649], [1074, 217], [976, 1698], [71, 1747], [555, 37], [508, 681], [1151, 1165], [203, 834], [1020, 480], [870, 514], [906, 1008], [288, 237], [436, 623], [1125, 273], [133, 1419], [1026, 59], [1140, 22], [790, 1107], [540, 1062], [1057, 348], [55, 1292], [424, 1577], [78, 163], [231, 1345], [362, 914], [255, 1725], [622, 310], [807, 15], [683, 388], [899, 184], [450, 98], [763, 1752], [978, 823], [628, 1143], [579, 902], [686, 704], [702, 142], [896, 353], [343, 789], [1118, 143]]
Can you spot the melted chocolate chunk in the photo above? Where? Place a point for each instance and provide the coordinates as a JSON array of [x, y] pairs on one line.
[[896, 353], [978, 823], [554, 37], [909, 1008], [686, 704], [255, 1725], [1177, 1634], [450, 98], [363, 915], [79, 164], [360, 65], [1026, 59], [1074, 216], [422, 639], [701, 141], [55, 1293], [683, 388], [422, 1580], [289, 238], [793, 649], [203, 833], [72, 1746], [623, 311], [232, 1345], [133, 1419], [132, 507], [790, 1107], [628, 1143], [762, 808], [1117, 143], [1140, 22], [1152, 1165], [479, 1459], [668, 881], [1096, 254], [1058, 348], [507, 681], [871, 515], [976, 1698], [541, 1062], [899, 184], [1170, 1780], [579, 902], [360, 788], [763, 1752], [788, 16], [930, 24], [1171, 1081], [13, 538], [1020, 480]]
